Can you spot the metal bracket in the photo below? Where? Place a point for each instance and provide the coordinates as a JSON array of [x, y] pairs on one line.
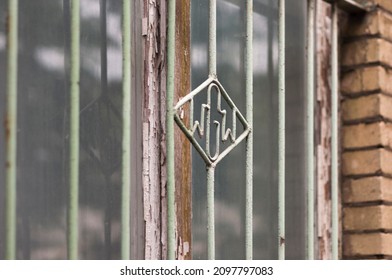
[[353, 6]]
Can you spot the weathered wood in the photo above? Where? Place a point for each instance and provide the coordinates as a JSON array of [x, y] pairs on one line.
[[323, 130], [152, 128], [163, 31], [154, 118], [183, 162]]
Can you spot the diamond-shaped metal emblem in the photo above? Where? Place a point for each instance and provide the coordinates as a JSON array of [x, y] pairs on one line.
[[202, 126]]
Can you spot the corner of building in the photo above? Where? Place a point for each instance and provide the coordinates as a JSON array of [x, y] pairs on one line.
[[366, 89]]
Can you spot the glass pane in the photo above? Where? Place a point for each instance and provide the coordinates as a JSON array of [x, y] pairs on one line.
[[230, 173], [43, 129]]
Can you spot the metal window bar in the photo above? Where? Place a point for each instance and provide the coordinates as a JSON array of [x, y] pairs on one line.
[[171, 212], [73, 199], [249, 139], [11, 128], [335, 133], [104, 90], [126, 132], [281, 130], [310, 53]]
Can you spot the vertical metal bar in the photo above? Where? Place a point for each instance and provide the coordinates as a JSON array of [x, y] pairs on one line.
[[74, 132], [104, 47], [126, 131], [249, 142], [10, 130], [104, 92], [212, 40], [171, 214], [281, 136], [310, 52], [335, 127], [211, 212], [211, 169]]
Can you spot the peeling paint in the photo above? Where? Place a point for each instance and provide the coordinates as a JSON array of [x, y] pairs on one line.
[[323, 133], [282, 241], [7, 128], [152, 129]]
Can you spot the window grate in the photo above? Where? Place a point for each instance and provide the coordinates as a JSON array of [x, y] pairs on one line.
[[74, 135], [173, 113], [310, 52]]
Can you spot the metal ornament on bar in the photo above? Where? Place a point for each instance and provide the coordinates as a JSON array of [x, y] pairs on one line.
[[204, 125], [223, 134]]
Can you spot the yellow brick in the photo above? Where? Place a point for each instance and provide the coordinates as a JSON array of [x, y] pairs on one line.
[[361, 108], [360, 80], [386, 106], [367, 79], [364, 107], [367, 162], [367, 244], [362, 135], [367, 135], [367, 51], [367, 190], [367, 218], [378, 22], [361, 162], [386, 161]]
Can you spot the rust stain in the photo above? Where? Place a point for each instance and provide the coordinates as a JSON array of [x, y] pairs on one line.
[[327, 191], [7, 129], [7, 164], [7, 24]]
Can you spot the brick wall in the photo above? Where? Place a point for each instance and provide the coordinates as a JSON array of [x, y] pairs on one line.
[[366, 88]]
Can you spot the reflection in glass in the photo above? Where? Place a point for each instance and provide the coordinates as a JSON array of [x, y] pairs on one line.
[[43, 129], [230, 173]]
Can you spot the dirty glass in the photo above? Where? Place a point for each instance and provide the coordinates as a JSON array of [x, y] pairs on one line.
[[43, 128], [230, 173]]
